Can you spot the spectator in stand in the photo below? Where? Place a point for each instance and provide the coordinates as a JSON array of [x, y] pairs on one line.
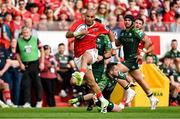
[[178, 10], [169, 17], [175, 27], [118, 11], [153, 17], [113, 25], [66, 68], [63, 23], [28, 57], [42, 26], [102, 13], [77, 9], [166, 6], [34, 13], [65, 6], [155, 6], [3, 9], [133, 8], [50, 20], [49, 76], [143, 4], [121, 4], [22, 10], [18, 23], [120, 20], [175, 54], [159, 26], [6, 31], [91, 4]]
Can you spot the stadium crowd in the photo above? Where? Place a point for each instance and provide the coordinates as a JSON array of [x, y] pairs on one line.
[[21, 19]]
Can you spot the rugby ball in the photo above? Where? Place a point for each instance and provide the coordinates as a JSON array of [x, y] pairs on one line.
[[79, 28]]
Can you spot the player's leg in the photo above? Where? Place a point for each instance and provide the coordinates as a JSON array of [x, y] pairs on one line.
[[140, 80], [89, 57], [81, 98], [95, 88], [129, 93], [122, 67], [6, 94]]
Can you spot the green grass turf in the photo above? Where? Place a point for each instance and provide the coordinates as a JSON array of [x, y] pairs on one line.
[[81, 113]]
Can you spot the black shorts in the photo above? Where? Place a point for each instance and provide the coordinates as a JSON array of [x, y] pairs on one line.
[[131, 64]]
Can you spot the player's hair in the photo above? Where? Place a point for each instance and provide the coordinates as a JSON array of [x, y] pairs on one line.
[[110, 66], [173, 40], [140, 19], [60, 44]]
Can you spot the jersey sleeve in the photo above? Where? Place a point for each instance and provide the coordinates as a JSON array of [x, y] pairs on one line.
[[102, 83], [139, 34], [103, 29], [107, 43]]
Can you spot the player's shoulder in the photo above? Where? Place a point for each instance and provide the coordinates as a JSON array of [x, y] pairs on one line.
[[138, 32], [98, 24]]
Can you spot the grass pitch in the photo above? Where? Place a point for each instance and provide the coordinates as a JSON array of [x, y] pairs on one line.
[[81, 113]]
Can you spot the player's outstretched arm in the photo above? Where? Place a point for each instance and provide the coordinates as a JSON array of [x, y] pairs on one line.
[[70, 34]]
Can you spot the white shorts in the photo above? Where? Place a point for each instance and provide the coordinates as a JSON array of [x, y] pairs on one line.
[[94, 55]]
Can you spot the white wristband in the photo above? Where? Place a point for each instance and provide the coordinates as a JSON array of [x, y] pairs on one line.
[[113, 45], [142, 54], [144, 50]]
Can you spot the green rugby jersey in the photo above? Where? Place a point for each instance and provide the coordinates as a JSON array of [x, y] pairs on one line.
[[107, 85], [130, 40], [102, 44]]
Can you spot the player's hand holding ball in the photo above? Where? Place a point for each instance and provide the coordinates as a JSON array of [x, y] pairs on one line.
[[81, 31]]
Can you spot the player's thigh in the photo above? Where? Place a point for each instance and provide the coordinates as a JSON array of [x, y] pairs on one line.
[[78, 63], [136, 74], [122, 67], [93, 54], [90, 78]]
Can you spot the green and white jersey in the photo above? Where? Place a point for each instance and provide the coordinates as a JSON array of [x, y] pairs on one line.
[[102, 44], [107, 85], [130, 40]]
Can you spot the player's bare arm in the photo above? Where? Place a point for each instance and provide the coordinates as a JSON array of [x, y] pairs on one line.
[[148, 47], [71, 34]]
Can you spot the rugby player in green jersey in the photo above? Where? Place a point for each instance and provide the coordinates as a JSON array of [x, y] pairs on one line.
[[107, 84], [129, 39]]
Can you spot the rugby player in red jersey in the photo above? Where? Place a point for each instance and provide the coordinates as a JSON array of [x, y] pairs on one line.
[[86, 52], [139, 24]]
